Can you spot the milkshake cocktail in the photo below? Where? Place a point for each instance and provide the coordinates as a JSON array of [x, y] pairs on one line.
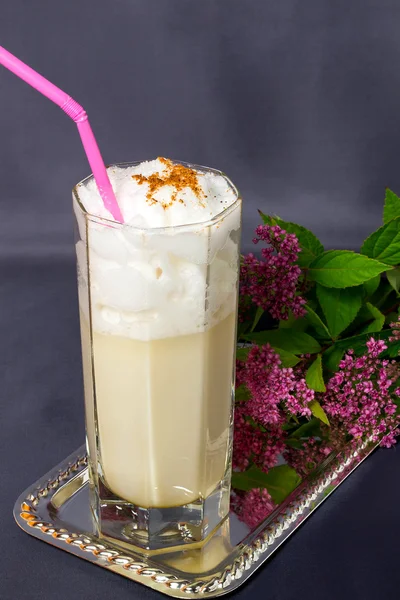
[[158, 305]]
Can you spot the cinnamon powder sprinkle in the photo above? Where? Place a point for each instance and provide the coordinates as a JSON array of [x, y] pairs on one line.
[[177, 176]]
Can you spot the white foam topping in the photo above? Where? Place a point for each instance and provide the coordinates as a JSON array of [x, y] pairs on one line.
[[148, 284]]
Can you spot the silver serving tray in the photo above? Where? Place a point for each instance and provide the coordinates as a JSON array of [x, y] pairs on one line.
[[55, 510]]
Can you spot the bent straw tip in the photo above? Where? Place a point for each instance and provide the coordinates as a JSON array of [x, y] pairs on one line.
[[74, 110]]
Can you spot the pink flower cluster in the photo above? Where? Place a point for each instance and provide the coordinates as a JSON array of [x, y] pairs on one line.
[[272, 281], [253, 445], [253, 507], [275, 391], [304, 460], [272, 387], [395, 337], [359, 395], [361, 399]]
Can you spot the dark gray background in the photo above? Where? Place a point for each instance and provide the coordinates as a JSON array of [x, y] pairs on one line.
[[299, 102]]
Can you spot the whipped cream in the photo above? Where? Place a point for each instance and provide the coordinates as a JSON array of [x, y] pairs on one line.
[[167, 271], [138, 210]]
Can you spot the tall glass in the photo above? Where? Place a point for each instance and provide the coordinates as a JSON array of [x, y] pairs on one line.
[[158, 312]]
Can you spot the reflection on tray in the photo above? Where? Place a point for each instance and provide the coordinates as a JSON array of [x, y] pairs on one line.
[[56, 510]]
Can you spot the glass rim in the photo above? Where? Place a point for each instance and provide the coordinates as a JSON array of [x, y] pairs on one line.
[[109, 222]]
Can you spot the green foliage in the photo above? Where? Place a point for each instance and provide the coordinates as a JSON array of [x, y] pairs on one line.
[[393, 351], [288, 359], [296, 342], [340, 306], [384, 244], [242, 393], [391, 317], [343, 269], [383, 296], [257, 317], [310, 245], [349, 297], [242, 352], [391, 208], [279, 481], [373, 319], [311, 428], [357, 342], [318, 411], [372, 285], [314, 376], [316, 323], [394, 278], [331, 358], [293, 323]]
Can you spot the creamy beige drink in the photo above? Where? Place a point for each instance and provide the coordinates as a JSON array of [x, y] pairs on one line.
[[158, 318], [170, 447]]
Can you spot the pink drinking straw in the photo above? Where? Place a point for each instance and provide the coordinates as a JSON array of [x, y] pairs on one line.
[[77, 114]]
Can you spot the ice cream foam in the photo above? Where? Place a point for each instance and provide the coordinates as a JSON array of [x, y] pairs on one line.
[[171, 269]]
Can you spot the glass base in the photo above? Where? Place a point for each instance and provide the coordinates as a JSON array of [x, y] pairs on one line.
[[158, 528]]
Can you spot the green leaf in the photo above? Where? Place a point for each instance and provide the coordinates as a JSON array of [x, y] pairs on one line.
[[392, 351], [242, 353], [340, 306], [396, 401], [242, 327], [242, 393], [268, 219], [257, 317], [247, 480], [310, 429], [279, 481], [343, 269], [314, 377], [391, 209], [391, 317], [357, 342], [294, 443], [375, 319], [394, 278], [331, 358], [384, 244], [310, 245], [369, 320], [316, 322], [318, 411], [289, 424], [296, 342], [382, 295], [298, 324], [287, 358], [372, 285]]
